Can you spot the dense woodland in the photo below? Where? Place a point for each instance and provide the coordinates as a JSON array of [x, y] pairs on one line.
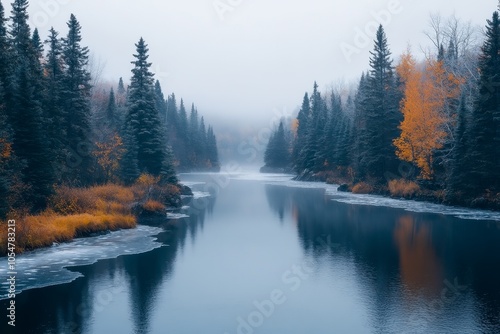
[[57, 129], [419, 128]]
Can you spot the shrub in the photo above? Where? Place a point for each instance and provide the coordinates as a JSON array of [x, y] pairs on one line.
[[153, 206], [362, 188], [403, 188]]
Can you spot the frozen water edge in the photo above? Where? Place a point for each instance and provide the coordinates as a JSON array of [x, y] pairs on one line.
[[413, 206], [376, 200], [50, 264]]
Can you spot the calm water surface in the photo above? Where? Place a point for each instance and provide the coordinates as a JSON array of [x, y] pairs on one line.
[[265, 256]]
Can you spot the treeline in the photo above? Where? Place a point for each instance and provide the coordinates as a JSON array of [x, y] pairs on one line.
[[419, 128], [55, 129]]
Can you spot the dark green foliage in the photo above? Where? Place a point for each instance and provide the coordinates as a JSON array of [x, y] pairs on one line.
[[24, 108], [277, 153], [143, 117], [161, 104], [379, 114], [460, 166], [484, 147], [76, 94]]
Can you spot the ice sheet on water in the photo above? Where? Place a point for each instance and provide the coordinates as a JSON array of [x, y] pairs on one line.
[[259, 176], [176, 215], [46, 267], [413, 206], [375, 200]]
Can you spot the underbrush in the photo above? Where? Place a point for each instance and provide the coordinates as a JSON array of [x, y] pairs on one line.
[[403, 188], [79, 212]]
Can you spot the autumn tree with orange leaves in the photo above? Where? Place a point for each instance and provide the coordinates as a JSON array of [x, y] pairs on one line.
[[427, 119]]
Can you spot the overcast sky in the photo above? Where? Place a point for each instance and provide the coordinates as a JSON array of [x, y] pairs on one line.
[[245, 58]]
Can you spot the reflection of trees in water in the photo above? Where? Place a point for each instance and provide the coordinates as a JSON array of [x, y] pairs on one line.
[[396, 252], [278, 199], [68, 308]]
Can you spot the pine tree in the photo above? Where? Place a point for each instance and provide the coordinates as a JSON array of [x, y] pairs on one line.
[[301, 134], [202, 134], [212, 152], [53, 102], [161, 103], [29, 142], [460, 165], [182, 129], [129, 164], [172, 116], [112, 116], [485, 120], [76, 95], [144, 120], [121, 87], [277, 154], [381, 114], [359, 127]]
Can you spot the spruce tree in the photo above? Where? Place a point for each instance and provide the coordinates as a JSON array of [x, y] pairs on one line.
[[113, 119], [172, 116], [144, 120], [161, 104], [460, 165], [76, 96], [53, 101], [182, 129], [381, 114], [301, 134], [277, 154], [485, 120], [212, 152], [26, 114]]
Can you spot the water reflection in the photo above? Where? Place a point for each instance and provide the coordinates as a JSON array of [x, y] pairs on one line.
[[430, 268], [128, 284]]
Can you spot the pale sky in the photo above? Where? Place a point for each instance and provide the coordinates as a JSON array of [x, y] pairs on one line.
[[250, 58]]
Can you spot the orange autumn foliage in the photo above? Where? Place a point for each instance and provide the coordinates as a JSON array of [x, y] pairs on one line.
[[424, 106]]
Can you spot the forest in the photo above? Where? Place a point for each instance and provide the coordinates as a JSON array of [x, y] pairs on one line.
[[60, 131], [425, 129]]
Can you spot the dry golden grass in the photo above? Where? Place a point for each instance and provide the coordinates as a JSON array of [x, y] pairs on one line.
[[73, 213], [362, 188], [153, 206], [76, 212], [403, 188], [43, 230]]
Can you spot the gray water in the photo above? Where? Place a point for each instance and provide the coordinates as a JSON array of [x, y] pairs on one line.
[[262, 254]]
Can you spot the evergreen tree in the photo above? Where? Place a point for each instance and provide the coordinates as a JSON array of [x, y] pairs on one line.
[[202, 134], [161, 103], [112, 116], [360, 106], [182, 129], [212, 152], [277, 154], [144, 120], [76, 96], [53, 103], [301, 134], [29, 142], [172, 116], [460, 164], [485, 120], [121, 87], [381, 114], [129, 164]]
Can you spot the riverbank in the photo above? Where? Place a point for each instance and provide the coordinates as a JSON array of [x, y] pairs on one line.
[[82, 212], [403, 189]]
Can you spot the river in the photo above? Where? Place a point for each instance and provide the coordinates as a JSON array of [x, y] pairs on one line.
[[262, 254]]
